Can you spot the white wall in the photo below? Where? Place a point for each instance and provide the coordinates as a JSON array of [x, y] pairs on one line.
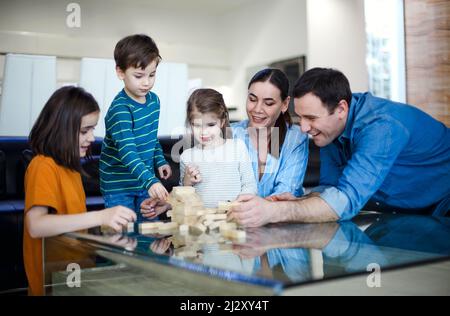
[[222, 47], [259, 35], [336, 38], [39, 27]]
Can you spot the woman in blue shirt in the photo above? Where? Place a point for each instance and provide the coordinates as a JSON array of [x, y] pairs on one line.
[[278, 149]]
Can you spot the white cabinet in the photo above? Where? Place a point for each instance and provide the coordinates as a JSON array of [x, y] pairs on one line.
[[28, 83], [172, 86], [98, 76]]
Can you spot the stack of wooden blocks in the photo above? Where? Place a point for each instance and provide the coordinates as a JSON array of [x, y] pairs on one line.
[[189, 216]]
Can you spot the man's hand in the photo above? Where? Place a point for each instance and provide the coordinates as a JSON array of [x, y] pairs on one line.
[[253, 211], [151, 208], [165, 172], [157, 190]]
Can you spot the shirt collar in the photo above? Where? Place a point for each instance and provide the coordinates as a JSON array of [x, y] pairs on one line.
[[346, 135]]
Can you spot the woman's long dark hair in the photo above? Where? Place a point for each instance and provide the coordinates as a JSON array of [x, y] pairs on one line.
[[56, 131], [279, 80]]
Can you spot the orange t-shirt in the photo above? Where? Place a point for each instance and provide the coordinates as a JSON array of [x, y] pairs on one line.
[[48, 184]]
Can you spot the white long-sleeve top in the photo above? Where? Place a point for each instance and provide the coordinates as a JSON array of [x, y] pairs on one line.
[[226, 171]]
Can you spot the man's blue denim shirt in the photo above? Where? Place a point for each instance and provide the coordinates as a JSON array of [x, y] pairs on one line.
[[391, 152]]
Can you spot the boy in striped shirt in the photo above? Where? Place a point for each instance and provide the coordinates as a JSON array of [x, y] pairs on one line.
[[131, 152]]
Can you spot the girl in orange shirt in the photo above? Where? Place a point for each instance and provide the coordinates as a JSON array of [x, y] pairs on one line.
[[55, 202]]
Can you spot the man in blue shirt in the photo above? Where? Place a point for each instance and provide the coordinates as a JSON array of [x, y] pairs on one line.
[[372, 149]]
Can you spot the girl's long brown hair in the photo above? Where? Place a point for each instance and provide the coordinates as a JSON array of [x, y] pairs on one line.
[[56, 131]]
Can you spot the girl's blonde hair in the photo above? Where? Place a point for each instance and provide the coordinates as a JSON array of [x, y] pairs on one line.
[[209, 101]]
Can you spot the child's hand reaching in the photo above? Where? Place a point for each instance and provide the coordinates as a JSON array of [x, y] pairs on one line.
[[153, 207], [165, 172], [117, 217], [158, 191], [161, 246], [192, 176]]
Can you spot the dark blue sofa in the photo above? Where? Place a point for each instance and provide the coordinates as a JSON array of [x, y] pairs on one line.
[[15, 155]]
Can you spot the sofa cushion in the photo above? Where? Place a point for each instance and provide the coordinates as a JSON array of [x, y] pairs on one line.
[[2, 175], [312, 176], [14, 165], [91, 176]]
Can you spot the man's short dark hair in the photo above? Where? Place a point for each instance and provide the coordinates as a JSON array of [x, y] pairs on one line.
[[329, 85], [136, 51]]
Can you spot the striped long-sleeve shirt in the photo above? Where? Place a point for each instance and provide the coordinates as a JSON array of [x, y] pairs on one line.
[[131, 150]]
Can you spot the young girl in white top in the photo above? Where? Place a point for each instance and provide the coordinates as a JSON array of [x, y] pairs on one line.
[[217, 166]]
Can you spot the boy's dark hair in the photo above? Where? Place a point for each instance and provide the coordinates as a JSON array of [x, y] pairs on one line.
[[56, 131], [136, 51], [279, 79], [209, 101], [329, 85]]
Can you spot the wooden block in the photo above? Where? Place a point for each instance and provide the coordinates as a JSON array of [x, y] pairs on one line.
[[234, 233], [225, 232], [187, 210], [226, 206], [148, 227], [221, 222], [207, 239], [227, 226], [214, 225], [200, 213], [185, 252], [187, 196], [130, 227], [197, 229], [168, 226], [183, 190], [238, 234], [184, 228], [207, 222], [216, 217], [188, 220], [210, 211]]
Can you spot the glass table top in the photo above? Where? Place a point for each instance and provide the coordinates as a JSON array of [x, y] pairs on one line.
[[283, 255]]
